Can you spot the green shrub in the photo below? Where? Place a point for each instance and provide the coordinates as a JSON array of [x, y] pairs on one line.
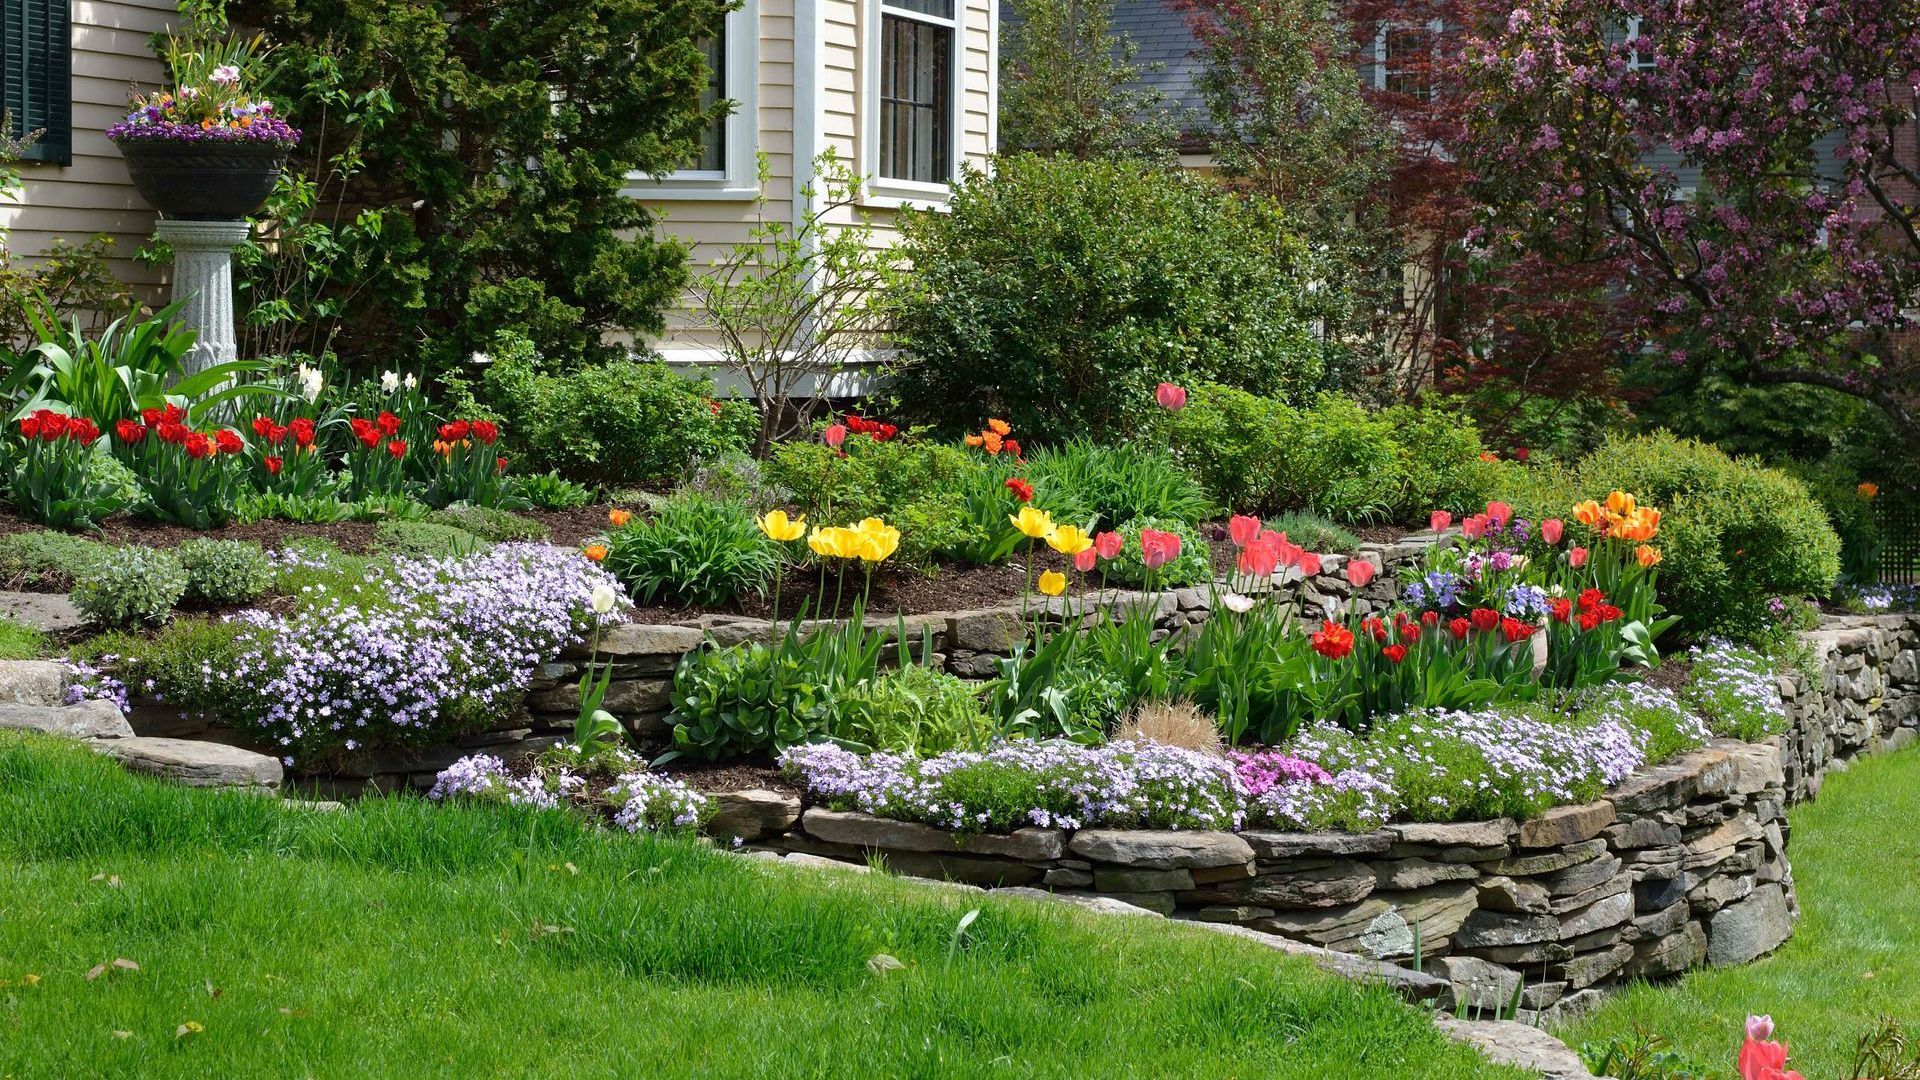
[[45, 560], [624, 422], [18, 641], [169, 666], [489, 523], [735, 477], [1194, 565], [693, 550], [1055, 293], [1313, 532], [745, 699], [426, 539], [1733, 533], [130, 585], [1118, 483], [225, 571], [1230, 440], [549, 491], [1332, 457], [919, 486], [914, 710]]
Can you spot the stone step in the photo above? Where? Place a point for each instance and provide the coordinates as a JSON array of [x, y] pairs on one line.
[[91, 719], [51, 613], [198, 764]]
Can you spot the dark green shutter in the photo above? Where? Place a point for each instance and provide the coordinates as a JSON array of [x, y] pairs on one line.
[[36, 75]]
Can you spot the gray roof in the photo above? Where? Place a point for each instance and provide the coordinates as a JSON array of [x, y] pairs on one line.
[[1167, 52]]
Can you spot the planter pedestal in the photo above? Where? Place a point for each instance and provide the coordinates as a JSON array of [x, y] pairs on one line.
[[203, 276]]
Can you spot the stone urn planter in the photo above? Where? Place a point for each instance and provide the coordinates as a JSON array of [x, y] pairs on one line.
[[211, 180]]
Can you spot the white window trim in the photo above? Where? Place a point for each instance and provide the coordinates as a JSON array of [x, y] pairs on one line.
[[740, 179], [1435, 26], [1634, 60], [882, 191]]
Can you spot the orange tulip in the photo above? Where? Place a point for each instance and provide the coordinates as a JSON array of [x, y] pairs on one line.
[[1648, 556], [596, 552], [1588, 513], [619, 517], [1868, 489], [999, 427]]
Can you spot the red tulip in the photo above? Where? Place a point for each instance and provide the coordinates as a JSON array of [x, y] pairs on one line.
[[1552, 529], [1458, 627], [1171, 397], [397, 449], [1242, 528], [272, 465], [1359, 572], [130, 431], [1261, 557], [1439, 521], [228, 441], [1020, 488], [1395, 653]]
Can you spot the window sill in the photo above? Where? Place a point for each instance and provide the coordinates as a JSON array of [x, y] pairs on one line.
[[689, 189], [906, 195]]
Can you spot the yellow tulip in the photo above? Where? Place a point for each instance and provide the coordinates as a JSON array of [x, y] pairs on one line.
[[1053, 583], [875, 546], [1032, 523], [1620, 502], [778, 526], [820, 541], [872, 525], [1069, 540]]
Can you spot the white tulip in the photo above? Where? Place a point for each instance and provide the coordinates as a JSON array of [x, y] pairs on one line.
[[604, 597], [1238, 604], [389, 382]]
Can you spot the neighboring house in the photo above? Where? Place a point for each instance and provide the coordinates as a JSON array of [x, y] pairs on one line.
[[904, 90]]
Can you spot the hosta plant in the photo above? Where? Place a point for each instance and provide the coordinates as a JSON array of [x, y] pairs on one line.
[[50, 480], [745, 699]]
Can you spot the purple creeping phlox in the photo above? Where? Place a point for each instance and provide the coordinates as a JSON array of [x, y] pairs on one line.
[[651, 802], [1014, 784], [485, 777], [430, 647]]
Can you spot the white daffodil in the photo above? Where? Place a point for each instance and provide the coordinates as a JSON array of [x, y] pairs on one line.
[[389, 381], [410, 382], [310, 381]]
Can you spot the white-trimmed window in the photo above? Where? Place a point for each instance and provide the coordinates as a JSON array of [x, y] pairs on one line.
[[725, 166], [1637, 59], [1403, 58], [914, 90]]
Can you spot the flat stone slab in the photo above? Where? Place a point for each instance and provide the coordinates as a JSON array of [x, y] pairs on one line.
[[1161, 849], [49, 612], [197, 764], [751, 814], [90, 719], [1509, 1042], [867, 831]]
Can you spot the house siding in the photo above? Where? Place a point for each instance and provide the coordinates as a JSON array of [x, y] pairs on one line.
[[93, 195]]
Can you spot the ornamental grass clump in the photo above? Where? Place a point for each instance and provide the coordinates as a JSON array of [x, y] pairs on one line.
[[1735, 688], [428, 649], [1125, 785]]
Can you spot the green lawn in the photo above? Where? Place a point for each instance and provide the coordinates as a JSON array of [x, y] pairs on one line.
[[403, 939], [1852, 958]]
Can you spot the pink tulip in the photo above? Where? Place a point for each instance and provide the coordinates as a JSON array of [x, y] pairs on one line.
[[1439, 521], [1083, 560], [1759, 1027], [1170, 397], [1290, 552], [1309, 564], [1359, 572], [1158, 548], [835, 435], [1761, 1060], [1552, 529], [1108, 544], [1499, 513], [1242, 528], [1475, 527], [1577, 557]]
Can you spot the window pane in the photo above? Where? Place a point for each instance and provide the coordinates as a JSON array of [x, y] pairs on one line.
[[940, 9], [916, 119], [713, 144]]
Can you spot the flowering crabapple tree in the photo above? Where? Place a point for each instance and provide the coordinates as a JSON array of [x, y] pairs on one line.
[[1748, 168]]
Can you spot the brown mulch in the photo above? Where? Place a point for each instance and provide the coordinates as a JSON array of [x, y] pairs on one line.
[[731, 776], [1672, 674]]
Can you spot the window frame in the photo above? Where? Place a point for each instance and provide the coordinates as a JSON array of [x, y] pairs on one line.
[[739, 178], [888, 191], [55, 146], [1381, 70]]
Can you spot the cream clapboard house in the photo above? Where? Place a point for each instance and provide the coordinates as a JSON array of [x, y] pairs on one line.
[[904, 90]]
